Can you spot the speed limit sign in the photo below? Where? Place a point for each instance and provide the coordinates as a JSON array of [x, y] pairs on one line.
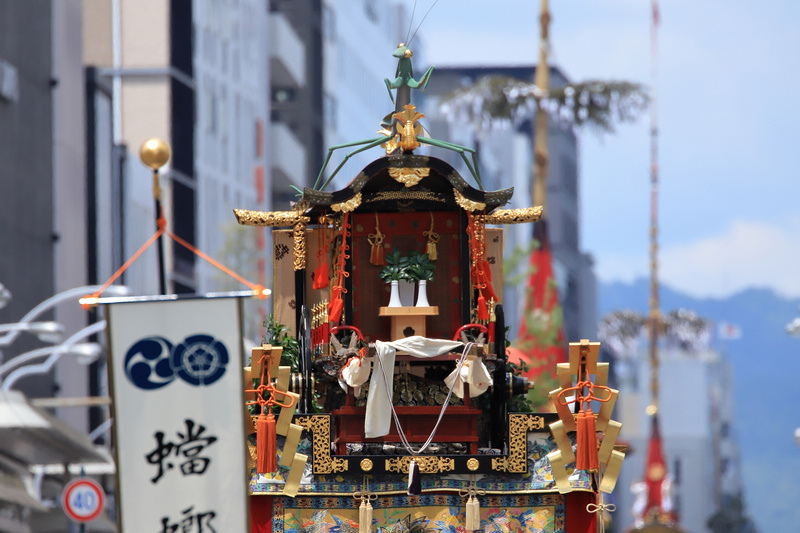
[[83, 499]]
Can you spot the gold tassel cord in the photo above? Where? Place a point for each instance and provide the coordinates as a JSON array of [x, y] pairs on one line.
[[365, 508], [433, 238], [472, 512], [376, 243]]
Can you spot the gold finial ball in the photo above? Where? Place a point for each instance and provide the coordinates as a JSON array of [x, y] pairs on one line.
[[154, 153], [651, 409]]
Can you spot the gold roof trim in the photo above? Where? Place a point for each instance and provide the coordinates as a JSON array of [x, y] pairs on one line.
[[349, 206], [515, 216], [247, 217], [467, 204]]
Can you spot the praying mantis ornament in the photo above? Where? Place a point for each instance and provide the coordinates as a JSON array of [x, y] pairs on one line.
[[393, 136]]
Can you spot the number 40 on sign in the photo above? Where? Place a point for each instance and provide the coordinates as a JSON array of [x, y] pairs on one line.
[[83, 499]]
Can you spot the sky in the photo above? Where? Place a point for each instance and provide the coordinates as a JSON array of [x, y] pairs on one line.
[[727, 87]]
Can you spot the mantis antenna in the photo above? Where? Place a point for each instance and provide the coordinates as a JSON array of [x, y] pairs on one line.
[[420, 22], [411, 20]]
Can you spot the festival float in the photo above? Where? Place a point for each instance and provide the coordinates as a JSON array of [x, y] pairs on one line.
[[394, 413]]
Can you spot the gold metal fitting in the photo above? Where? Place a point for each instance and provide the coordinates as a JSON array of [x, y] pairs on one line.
[[154, 153]]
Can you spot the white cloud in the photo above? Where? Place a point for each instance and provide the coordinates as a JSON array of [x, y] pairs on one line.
[[748, 254], [620, 266]]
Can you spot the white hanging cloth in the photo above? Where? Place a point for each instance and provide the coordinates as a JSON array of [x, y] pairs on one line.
[[378, 418], [474, 373], [355, 373]]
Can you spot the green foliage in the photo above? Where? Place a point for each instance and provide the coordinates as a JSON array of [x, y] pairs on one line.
[[278, 335], [542, 326], [396, 268], [414, 267], [538, 399], [516, 267], [420, 267]]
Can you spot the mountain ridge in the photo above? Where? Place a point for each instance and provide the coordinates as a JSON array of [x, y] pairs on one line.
[[763, 363]]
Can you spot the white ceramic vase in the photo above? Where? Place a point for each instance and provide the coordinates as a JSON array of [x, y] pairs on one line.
[[422, 294], [394, 298]]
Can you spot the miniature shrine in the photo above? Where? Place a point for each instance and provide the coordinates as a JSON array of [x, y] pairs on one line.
[[396, 416]]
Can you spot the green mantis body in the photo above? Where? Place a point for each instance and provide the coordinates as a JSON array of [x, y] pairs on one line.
[[403, 83], [404, 78]]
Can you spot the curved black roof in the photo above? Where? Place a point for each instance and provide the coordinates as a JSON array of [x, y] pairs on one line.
[[440, 188]]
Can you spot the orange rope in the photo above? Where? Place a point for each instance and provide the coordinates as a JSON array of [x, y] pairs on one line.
[[266, 438], [268, 387], [586, 457], [124, 267], [258, 290]]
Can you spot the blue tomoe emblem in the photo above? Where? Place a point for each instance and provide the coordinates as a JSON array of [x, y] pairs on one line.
[[153, 362]]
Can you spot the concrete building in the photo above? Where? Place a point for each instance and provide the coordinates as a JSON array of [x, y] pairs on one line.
[[295, 96], [45, 247], [28, 242], [195, 75], [82, 84], [44, 244], [506, 160]]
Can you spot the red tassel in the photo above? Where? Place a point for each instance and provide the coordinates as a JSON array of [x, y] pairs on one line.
[[335, 311], [586, 453], [266, 444], [321, 278], [591, 441], [326, 332], [581, 460], [483, 311]]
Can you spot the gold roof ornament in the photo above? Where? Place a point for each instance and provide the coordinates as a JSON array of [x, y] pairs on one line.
[[411, 128], [409, 176]]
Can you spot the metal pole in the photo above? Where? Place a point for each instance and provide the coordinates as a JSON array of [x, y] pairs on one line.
[[542, 81], [155, 153], [655, 313], [162, 281]]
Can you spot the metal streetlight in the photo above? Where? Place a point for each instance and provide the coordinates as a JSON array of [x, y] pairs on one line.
[[48, 331], [71, 346], [77, 292], [87, 352], [155, 153]]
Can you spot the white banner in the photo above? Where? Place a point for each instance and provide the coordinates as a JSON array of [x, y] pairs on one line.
[[176, 374]]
